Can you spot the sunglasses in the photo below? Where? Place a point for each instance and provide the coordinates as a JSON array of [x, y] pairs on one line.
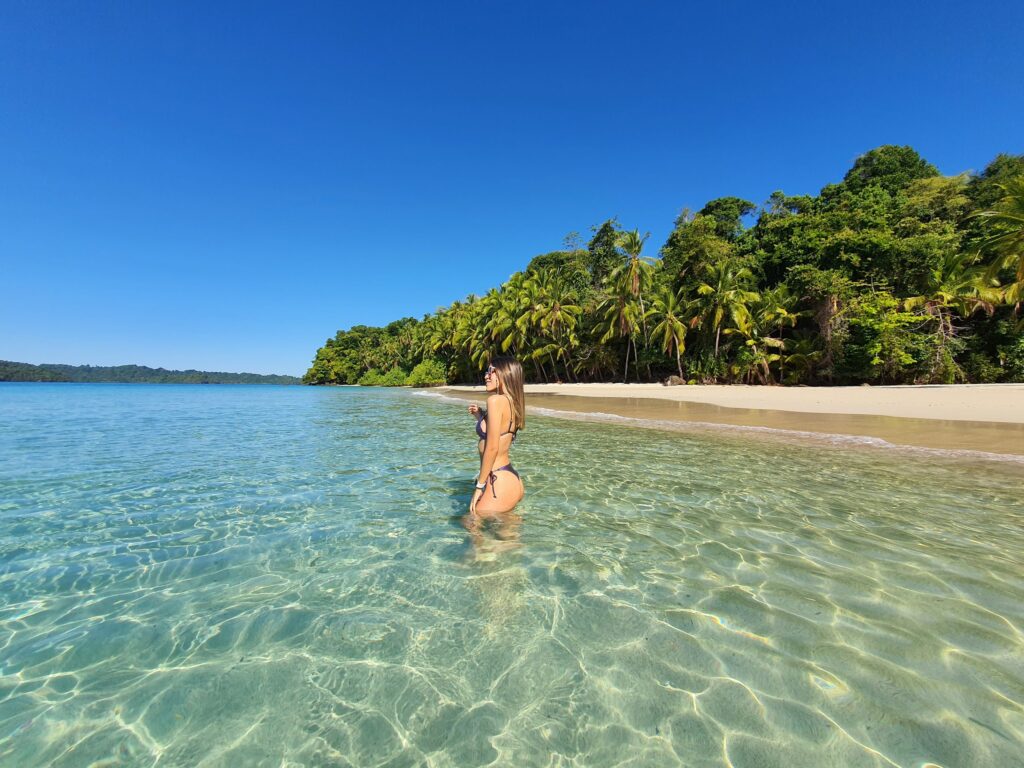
[[489, 371]]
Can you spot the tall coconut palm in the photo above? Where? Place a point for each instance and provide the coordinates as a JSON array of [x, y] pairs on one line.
[[622, 315], [637, 269], [529, 307], [471, 335], [500, 321], [667, 314], [558, 316], [513, 304], [724, 293], [505, 320], [438, 334]]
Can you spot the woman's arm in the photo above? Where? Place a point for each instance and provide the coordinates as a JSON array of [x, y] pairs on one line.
[[494, 421], [490, 453]]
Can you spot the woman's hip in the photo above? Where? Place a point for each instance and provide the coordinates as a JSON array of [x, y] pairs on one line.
[[504, 490]]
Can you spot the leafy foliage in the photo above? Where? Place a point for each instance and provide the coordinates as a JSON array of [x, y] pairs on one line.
[[428, 373], [895, 274]]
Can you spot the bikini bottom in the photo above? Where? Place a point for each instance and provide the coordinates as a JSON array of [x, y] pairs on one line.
[[491, 477]]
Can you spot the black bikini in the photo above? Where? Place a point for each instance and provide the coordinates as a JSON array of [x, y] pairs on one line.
[[508, 467]]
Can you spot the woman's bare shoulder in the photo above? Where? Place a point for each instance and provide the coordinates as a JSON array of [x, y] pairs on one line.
[[493, 400]]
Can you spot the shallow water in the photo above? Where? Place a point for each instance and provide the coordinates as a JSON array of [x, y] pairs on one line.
[[247, 575]]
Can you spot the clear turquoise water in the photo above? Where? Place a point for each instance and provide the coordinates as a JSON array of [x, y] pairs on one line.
[[232, 575]]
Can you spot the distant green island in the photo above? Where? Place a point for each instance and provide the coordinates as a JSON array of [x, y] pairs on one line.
[[130, 374]]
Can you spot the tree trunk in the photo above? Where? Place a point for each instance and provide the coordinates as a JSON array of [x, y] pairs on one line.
[[825, 315], [643, 316], [679, 361], [625, 370]]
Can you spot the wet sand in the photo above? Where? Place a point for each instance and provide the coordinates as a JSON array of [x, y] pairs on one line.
[[945, 428]]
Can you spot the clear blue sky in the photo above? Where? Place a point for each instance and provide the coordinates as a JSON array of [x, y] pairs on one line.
[[222, 186]]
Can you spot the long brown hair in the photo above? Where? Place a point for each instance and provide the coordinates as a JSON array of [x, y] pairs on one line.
[[510, 382]]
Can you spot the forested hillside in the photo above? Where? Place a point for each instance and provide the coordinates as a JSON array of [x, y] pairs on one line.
[[896, 274], [137, 374]]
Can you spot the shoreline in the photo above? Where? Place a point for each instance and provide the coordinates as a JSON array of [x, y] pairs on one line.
[[985, 418]]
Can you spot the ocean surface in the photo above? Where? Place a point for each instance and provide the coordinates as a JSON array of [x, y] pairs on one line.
[[278, 576]]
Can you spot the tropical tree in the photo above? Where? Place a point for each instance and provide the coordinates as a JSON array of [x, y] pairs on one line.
[[693, 243], [509, 333], [1005, 243], [775, 310], [954, 287], [602, 255], [829, 292], [753, 363], [667, 312], [557, 316], [892, 274], [622, 316], [727, 213], [471, 333], [755, 358], [637, 269], [724, 294], [801, 355]]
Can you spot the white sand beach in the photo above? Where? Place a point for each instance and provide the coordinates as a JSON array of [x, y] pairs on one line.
[[956, 402], [978, 417]]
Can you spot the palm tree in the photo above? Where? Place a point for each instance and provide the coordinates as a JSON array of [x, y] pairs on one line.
[[622, 316], [633, 245], [436, 337], [471, 334], [754, 362], [513, 304], [802, 354], [723, 294], [1006, 243], [954, 286], [529, 307], [771, 313], [775, 309], [667, 312], [557, 315], [637, 269]]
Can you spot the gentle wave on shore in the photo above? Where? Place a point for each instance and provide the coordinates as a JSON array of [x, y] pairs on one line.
[[274, 575], [582, 413]]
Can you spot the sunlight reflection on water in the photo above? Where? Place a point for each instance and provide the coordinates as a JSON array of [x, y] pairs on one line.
[[273, 575]]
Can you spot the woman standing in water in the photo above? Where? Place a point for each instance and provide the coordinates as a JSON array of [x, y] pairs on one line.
[[498, 487]]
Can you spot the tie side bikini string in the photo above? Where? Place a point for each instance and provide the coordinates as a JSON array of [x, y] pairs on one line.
[[491, 477]]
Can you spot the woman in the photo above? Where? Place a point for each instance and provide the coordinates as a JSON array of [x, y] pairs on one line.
[[498, 487]]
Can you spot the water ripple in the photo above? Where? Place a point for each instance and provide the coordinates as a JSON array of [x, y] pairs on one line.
[[226, 576]]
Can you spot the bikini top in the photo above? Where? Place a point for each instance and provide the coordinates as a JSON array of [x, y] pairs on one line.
[[483, 435]]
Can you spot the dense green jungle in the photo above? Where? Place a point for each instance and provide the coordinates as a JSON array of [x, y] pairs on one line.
[[895, 275]]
